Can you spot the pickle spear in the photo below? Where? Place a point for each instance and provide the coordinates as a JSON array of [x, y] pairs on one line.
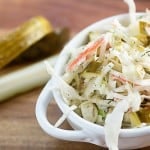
[[20, 39]]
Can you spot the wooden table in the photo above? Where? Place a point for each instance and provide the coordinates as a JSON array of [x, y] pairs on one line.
[[18, 126]]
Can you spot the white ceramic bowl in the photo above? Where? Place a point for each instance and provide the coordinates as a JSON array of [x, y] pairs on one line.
[[83, 130]]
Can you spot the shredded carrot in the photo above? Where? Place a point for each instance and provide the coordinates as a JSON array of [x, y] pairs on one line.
[[123, 80], [91, 48]]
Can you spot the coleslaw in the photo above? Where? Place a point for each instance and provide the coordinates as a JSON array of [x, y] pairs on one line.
[[107, 80]]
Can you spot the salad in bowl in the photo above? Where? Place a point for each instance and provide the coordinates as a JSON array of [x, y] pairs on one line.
[[101, 83]]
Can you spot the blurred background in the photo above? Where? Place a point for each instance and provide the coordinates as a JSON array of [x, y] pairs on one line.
[[75, 14], [18, 126]]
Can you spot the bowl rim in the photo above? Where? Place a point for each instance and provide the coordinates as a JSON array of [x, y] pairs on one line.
[[63, 58]]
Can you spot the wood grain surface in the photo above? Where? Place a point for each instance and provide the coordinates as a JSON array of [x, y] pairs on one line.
[[19, 129]]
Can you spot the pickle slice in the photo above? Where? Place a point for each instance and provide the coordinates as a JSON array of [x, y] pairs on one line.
[[134, 119], [20, 39], [144, 114]]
